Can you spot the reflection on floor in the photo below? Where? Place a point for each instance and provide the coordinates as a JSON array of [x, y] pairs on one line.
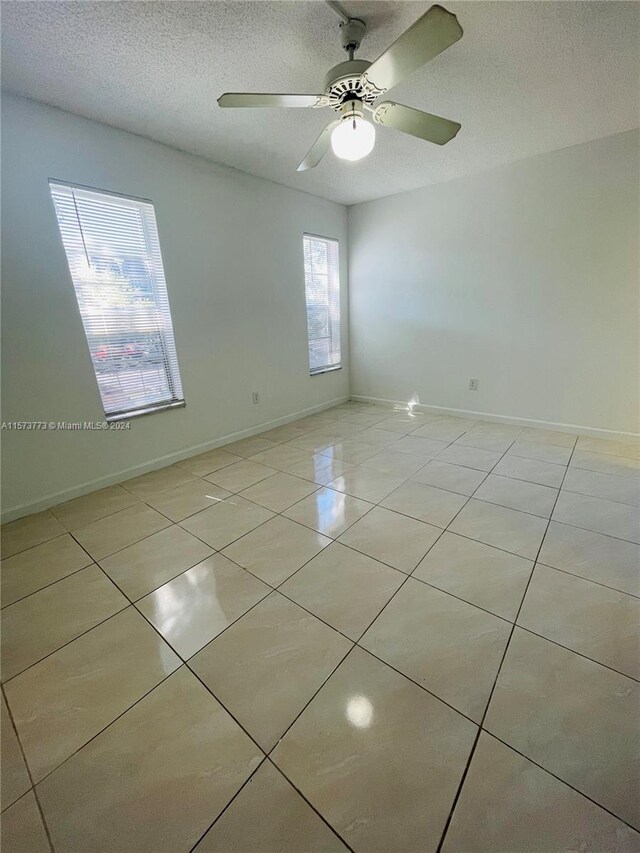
[[369, 629]]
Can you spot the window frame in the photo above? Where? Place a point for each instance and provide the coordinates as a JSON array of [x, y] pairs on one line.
[[333, 367], [171, 366]]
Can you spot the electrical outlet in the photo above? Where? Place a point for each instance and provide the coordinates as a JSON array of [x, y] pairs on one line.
[[473, 385], [255, 397]]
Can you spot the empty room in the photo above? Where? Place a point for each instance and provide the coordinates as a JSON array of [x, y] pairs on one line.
[[320, 426]]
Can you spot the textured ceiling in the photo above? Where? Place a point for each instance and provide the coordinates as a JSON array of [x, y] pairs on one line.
[[526, 77]]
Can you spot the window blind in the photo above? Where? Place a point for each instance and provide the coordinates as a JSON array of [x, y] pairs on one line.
[[322, 290], [113, 251]]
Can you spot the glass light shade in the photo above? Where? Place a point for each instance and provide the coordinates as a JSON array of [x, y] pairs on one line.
[[353, 139]]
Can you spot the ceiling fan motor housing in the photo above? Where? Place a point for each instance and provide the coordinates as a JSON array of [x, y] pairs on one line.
[[343, 83]]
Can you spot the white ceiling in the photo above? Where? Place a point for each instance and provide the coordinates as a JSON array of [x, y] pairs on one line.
[[526, 77]]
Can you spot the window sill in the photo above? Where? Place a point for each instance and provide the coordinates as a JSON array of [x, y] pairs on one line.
[[325, 370], [138, 413]]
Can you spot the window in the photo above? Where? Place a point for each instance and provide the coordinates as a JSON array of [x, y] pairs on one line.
[[114, 259], [322, 289]]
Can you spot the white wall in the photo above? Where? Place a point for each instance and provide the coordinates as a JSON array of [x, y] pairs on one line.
[[526, 277], [232, 251]]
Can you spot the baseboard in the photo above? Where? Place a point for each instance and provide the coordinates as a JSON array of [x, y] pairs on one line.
[[160, 462], [596, 432]]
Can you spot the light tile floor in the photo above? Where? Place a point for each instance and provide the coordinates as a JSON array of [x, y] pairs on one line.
[[368, 630]]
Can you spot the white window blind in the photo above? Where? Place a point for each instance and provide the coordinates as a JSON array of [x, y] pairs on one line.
[[113, 251], [322, 289]]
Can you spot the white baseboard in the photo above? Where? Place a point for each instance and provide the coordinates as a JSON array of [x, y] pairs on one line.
[[596, 432], [160, 462]]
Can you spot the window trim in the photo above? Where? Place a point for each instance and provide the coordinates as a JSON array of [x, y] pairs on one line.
[[333, 367], [160, 405]]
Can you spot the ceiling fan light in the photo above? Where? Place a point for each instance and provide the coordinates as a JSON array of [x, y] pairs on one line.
[[353, 139]]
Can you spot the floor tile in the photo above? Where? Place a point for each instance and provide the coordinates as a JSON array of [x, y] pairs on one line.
[[480, 574], [607, 486], [279, 492], [390, 461], [319, 469], [426, 503], [470, 457], [423, 448], [281, 456], [495, 429], [225, 522], [321, 418], [367, 484], [602, 463], [549, 436], [62, 702], [453, 478], [609, 561], [400, 425], [513, 531], [143, 567], [111, 534], [608, 517], [80, 511], [46, 620], [595, 621], [509, 804], [207, 463], [268, 665], [377, 437], [485, 441], [441, 431], [532, 470], [366, 419], [275, 550], [353, 452], [30, 570], [392, 538], [29, 531], [380, 758], [15, 777], [344, 588], [571, 716], [315, 441], [540, 450], [183, 501], [240, 475], [282, 434], [250, 446], [613, 447], [156, 760], [22, 830], [328, 511], [269, 816], [518, 494], [155, 482], [195, 607], [451, 648], [344, 428]]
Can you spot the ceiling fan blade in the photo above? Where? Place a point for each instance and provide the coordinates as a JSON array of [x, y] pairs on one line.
[[319, 148], [415, 122], [249, 99], [434, 32]]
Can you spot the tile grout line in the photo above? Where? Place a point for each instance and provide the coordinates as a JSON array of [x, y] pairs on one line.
[[458, 793], [29, 774], [235, 796]]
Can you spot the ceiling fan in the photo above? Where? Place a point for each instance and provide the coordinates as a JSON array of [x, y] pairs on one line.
[[353, 88]]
